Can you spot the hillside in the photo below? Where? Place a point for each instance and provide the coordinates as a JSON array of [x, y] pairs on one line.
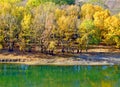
[[113, 5]]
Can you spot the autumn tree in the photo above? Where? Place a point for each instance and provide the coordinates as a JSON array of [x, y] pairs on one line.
[[10, 22], [66, 25], [88, 10], [26, 33], [99, 18], [51, 24], [42, 24], [112, 26]]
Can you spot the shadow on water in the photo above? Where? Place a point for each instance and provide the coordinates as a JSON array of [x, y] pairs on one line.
[[12, 75]]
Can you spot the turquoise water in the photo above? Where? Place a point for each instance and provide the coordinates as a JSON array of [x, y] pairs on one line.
[[12, 75]]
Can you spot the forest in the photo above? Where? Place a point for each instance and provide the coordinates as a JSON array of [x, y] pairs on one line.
[[51, 25]]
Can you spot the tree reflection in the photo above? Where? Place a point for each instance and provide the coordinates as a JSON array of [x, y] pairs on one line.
[[59, 76]]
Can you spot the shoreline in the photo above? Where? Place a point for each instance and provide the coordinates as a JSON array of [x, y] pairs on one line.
[[29, 64], [85, 63], [60, 61], [92, 57], [76, 63]]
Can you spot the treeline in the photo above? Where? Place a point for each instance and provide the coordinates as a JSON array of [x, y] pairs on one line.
[[34, 3], [47, 26]]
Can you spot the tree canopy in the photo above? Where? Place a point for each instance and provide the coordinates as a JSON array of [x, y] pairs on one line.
[[44, 25]]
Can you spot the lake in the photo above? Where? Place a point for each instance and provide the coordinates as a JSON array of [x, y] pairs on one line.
[[15, 75]]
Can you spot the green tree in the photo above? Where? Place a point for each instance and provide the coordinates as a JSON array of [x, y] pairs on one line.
[[35, 3], [88, 34]]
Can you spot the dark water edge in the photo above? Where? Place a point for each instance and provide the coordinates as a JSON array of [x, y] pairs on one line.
[[19, 75]]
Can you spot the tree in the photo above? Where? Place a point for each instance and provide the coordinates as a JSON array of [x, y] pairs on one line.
[[88, 34], [52, 47], [51, 24], [88, 10], [1, 39], [35, 3], [43, 23], [10, 26], [99, 18], [66, 25], [26, 33], [112, 26]]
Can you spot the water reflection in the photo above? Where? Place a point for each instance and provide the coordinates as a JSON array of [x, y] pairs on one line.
[[59, 76]]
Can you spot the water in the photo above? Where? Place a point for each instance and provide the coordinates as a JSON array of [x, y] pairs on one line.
[[59, 76]]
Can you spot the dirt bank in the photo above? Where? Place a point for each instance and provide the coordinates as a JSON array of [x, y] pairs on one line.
[[101, 56]]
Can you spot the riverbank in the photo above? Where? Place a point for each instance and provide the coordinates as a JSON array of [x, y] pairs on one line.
[[101, 56]]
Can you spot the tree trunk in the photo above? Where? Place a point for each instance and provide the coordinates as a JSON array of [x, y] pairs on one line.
[[42, 50], [78, 51], [11, 46], [63, 50], [87, 46]]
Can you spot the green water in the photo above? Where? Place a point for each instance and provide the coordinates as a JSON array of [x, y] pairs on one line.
[[59, 76]]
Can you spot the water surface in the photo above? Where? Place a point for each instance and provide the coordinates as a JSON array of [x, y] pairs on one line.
[[12, 75]]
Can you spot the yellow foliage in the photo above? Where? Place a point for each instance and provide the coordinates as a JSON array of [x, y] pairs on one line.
[[62, 23], [52, 45], [22, 45], [99, 18], [98, 8], [5, 7], [112, 26], [117, 40], [88, 10], [112, 23], [73, 10], [18, 11], [1, 46], [106, 84], [26, 21], [1, 38], [66, 26], [66, 22], [59, 13]]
